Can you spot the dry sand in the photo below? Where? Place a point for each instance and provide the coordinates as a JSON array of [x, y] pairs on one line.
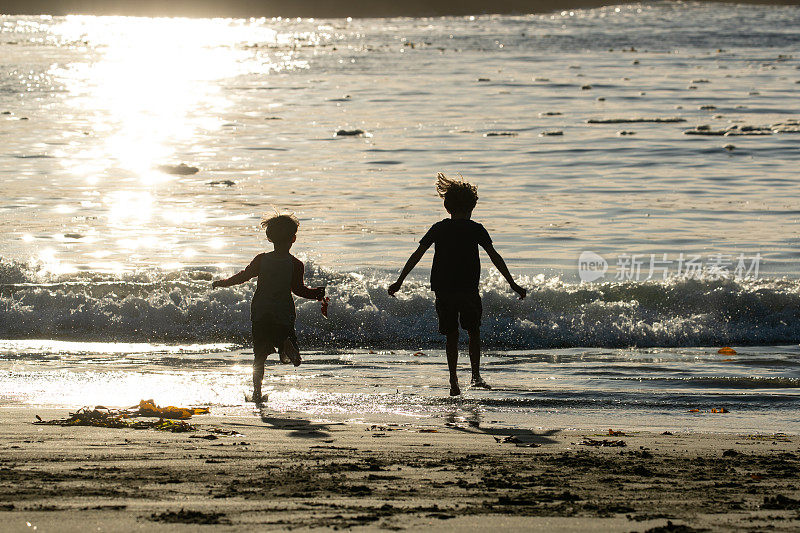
[[286, 471]]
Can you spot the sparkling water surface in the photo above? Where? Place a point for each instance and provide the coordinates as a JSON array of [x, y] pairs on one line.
[[108, 244], [255, 106], [653, 389]]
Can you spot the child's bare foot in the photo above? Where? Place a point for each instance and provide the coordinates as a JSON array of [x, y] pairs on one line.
[[290, 351], [257, 398], [478, 383], [455, 390]]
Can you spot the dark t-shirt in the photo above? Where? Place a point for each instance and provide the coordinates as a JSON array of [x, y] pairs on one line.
[[456, 266]]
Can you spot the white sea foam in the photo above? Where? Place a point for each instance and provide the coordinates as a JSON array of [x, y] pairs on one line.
[[171, 307]]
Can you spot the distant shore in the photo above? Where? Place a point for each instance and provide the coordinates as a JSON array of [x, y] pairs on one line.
[[305, 8]]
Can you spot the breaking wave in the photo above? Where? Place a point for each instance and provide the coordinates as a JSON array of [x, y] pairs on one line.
[[179, 306]]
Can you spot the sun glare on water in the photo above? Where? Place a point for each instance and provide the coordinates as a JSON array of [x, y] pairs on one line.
[[144, 95], [152, 88]]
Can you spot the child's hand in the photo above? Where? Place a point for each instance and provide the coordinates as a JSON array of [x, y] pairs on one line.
[[394, 287], [320, 293], [519, 290], [215, 284]]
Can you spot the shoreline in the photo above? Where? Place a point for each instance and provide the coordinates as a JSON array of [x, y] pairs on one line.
[[312, 8], [286, 470]]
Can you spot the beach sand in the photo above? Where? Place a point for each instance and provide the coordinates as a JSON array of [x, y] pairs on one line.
[[288, 471]]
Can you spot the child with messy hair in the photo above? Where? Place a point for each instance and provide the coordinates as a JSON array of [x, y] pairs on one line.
[[456, 272], [272, 310]]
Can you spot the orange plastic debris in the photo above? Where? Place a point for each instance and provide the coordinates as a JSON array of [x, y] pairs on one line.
[[149, 408], [417, 354], [727, 350]]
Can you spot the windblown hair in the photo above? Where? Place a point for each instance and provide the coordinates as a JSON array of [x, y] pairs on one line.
[[459, 196], [280, 228]]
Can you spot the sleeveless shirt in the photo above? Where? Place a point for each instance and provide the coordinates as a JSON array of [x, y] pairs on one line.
[[273, 300]]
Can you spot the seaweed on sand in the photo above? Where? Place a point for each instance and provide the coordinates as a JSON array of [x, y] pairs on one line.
[[112, 418]]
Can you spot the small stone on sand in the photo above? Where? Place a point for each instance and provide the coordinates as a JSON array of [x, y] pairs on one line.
[[178, 170], [735, 130], [630, 120], [349, 133]]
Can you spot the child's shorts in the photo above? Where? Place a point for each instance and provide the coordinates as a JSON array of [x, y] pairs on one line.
[[455, 307], [268, 337]]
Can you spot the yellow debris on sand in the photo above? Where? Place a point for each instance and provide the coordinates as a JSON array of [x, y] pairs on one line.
[[149, 408], [168, 418]]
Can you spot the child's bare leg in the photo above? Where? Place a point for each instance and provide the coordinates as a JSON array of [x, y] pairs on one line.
[[475, 358], [258, 376], [452, 361]]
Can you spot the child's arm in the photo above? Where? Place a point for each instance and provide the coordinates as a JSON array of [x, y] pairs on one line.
[[410, 264], [240, 277], [299, 286], [501, 266]]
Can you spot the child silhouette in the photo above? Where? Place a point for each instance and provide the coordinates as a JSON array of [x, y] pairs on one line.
[[456, 272], [272, 310]]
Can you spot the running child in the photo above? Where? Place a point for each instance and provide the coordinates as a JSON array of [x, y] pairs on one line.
[[272, 310], [455, 273]]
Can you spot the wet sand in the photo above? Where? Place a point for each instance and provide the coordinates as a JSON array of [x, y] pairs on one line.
[[288, 471]]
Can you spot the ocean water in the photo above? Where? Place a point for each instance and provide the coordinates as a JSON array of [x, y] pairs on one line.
[[107, 246]]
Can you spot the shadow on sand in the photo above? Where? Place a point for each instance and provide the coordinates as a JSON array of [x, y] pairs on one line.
[[469, 421], [298, 427]]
